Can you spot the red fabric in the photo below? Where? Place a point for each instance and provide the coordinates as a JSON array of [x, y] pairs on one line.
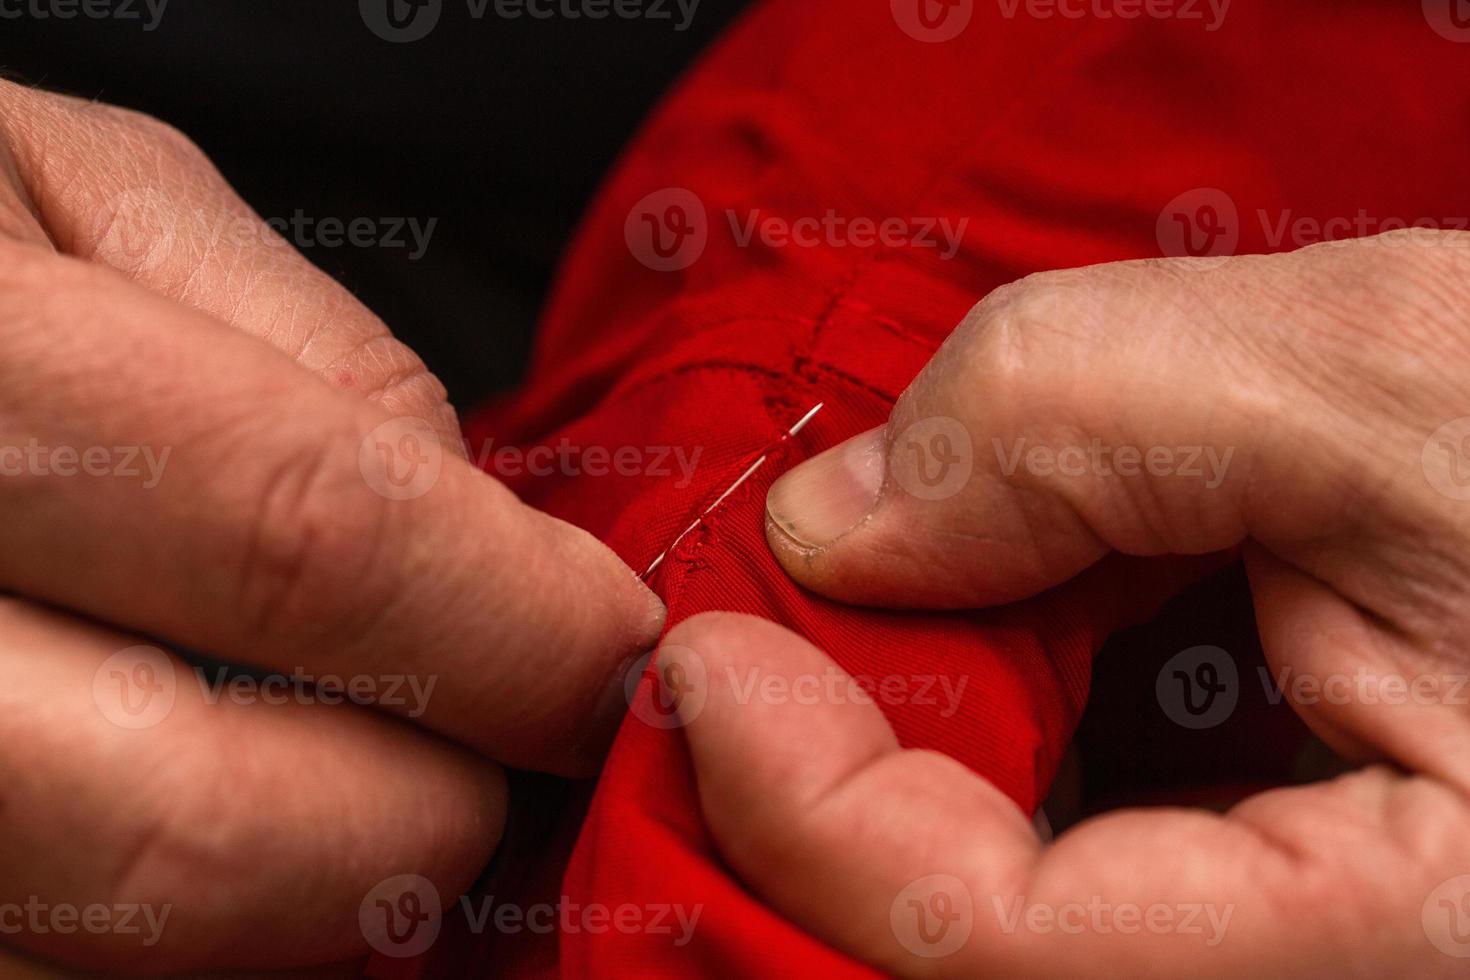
[[1061, 140]]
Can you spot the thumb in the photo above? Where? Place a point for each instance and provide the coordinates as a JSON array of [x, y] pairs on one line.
[[1144, 407]]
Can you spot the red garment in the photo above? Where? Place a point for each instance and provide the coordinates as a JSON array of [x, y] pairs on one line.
[[1063, 141]]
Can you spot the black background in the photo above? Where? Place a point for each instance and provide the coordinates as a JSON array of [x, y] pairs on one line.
[[501, 129]]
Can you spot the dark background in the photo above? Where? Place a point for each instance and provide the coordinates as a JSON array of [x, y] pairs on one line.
[[500, 129]]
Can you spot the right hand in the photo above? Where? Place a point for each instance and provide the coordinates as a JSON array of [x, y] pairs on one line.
[[1309, 407], [264, 537]]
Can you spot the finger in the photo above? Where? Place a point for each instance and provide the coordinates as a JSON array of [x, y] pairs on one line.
[[272, 517], [19, 219], [1149, 408], [1365, 688], [170, 827], [952, 880], [124, 189]]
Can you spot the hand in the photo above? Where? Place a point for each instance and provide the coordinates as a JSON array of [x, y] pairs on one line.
[[1328, 388], [207, 441]]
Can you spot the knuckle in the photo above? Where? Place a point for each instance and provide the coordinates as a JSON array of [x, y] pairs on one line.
[[313, 561], [388, 373], [149, 139], [193, 846], [48, 118], [1011, 338]]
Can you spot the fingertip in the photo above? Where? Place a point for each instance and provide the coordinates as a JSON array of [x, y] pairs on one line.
[[761, 699], [654, 614]]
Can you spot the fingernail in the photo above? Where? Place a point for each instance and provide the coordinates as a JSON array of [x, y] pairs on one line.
[[655, 615], [828, 495]]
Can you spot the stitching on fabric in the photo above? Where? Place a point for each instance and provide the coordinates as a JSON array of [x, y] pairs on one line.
[[889, 324], [837, 295], [852, 379], [694, 368], [688, 553], [696, 328]]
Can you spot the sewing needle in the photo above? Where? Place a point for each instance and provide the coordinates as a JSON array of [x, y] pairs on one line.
[[790, 434]]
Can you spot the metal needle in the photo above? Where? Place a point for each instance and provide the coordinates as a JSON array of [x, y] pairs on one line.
[[790, 433]]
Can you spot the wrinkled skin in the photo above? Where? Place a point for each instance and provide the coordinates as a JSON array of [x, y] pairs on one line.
[[1332, 378], [142, 304]]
